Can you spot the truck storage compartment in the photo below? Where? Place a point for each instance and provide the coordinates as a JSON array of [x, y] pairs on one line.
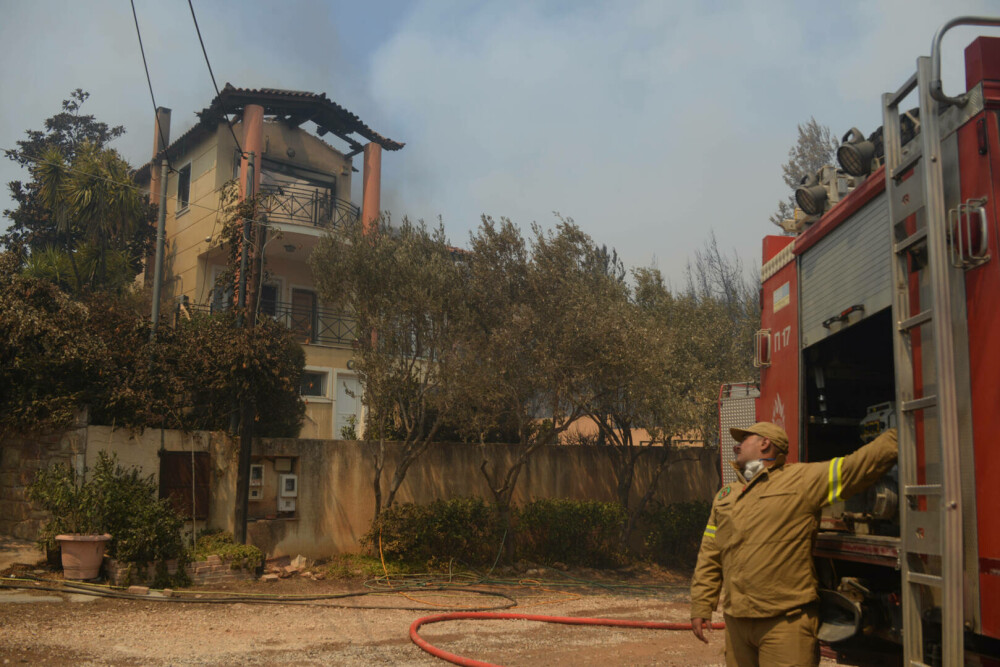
[[849, 394], [844, 375]]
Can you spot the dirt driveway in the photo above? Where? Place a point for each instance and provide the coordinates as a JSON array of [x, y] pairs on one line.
[[62, 629]]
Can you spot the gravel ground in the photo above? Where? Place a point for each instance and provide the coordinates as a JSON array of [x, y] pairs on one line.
[[63, 629]]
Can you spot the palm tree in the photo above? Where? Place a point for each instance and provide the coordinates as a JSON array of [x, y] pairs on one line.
[[95, 208]]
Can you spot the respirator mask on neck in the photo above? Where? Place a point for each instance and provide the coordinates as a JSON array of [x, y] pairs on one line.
[[751, 469]]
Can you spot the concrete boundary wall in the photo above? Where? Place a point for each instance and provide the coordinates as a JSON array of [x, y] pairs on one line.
[[334, 501]]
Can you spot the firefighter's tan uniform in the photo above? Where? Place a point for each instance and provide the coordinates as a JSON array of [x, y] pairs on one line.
[[757, 547]]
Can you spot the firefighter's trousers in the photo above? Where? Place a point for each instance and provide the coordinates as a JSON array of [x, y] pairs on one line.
[[788, 640]]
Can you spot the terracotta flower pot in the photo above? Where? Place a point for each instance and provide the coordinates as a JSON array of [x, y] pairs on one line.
[[82, 555]]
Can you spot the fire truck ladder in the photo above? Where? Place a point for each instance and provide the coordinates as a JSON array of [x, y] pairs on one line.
[[931, 550]]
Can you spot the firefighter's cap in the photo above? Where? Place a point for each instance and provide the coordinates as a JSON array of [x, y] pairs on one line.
[[772, 432]]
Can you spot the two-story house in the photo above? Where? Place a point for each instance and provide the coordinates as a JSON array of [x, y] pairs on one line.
[[309, 183]]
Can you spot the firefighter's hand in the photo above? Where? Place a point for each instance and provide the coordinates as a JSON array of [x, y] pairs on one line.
[[698, 627]]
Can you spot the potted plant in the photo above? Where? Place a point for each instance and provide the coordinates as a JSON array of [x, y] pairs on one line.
[[113, 509], [75, 524]]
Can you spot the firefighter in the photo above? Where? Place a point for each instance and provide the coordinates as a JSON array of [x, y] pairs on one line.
[[757, 545]]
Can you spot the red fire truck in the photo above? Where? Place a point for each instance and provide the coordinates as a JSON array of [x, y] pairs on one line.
[[882, 308]]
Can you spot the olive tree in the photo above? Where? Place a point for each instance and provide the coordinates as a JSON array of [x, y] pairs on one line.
[[525, 341], [401, 285], [642, 392]]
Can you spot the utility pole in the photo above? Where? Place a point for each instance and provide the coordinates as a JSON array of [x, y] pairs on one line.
[[241, 300], [246, 406], [161, 222]]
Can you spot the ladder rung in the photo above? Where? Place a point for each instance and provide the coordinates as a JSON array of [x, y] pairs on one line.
[[920, 403], [925, 579], [916, 237], [922, 490], [915, 321], [907, 162], [905, 90]]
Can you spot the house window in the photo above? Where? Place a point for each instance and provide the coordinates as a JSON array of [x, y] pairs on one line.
[[183, 187], [313, 383], [183, 474]]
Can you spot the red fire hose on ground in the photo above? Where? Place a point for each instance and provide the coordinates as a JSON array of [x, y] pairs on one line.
[[487, 615]]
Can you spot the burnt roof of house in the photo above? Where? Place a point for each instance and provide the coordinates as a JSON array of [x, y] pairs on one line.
[[292, 107]]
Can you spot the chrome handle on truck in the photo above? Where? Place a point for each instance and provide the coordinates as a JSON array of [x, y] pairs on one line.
[[843, 315], [762, 348], [970, 243]]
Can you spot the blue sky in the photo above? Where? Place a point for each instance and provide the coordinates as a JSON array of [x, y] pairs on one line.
[[649, 123]]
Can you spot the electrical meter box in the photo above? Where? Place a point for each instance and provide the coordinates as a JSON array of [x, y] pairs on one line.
[[288, 486]]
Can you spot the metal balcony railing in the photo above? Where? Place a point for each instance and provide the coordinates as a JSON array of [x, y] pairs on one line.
[[314, 326], [303, 205], [311, 326]]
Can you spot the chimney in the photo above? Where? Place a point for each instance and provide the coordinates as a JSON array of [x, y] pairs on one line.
[[371, 187]]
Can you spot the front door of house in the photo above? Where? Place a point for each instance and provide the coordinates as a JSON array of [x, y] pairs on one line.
[[303, 315]]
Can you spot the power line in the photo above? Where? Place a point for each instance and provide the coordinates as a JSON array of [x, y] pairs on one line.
[[163, 141], [212, 74]]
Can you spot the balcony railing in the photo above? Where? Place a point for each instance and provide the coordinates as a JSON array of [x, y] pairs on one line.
[[303, 205], [314, 326], [311, 326]]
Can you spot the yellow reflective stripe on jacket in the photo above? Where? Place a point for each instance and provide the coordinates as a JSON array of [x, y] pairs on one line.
[[835, 485], [710, 530]]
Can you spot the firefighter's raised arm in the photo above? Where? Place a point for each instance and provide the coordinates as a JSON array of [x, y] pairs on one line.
[[844, 476]]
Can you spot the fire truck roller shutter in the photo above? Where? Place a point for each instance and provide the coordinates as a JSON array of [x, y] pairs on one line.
[[849, 267]]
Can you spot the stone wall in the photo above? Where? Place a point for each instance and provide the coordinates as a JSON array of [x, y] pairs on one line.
[[21, 456]]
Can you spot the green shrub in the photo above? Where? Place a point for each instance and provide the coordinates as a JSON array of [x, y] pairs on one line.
[[222, 544], [61, 352], [48, 356], [674, 531], [188, 377], [572, 532], [144, 528], [462, 529], [112, 500]]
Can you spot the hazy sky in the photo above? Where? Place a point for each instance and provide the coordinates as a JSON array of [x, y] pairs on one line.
[[649, 123]]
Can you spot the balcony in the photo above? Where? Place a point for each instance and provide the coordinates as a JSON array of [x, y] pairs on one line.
[[310, 325], [307, 205], [313, 326]]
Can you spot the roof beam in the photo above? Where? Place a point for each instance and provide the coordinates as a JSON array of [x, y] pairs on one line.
[[297, 118]]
